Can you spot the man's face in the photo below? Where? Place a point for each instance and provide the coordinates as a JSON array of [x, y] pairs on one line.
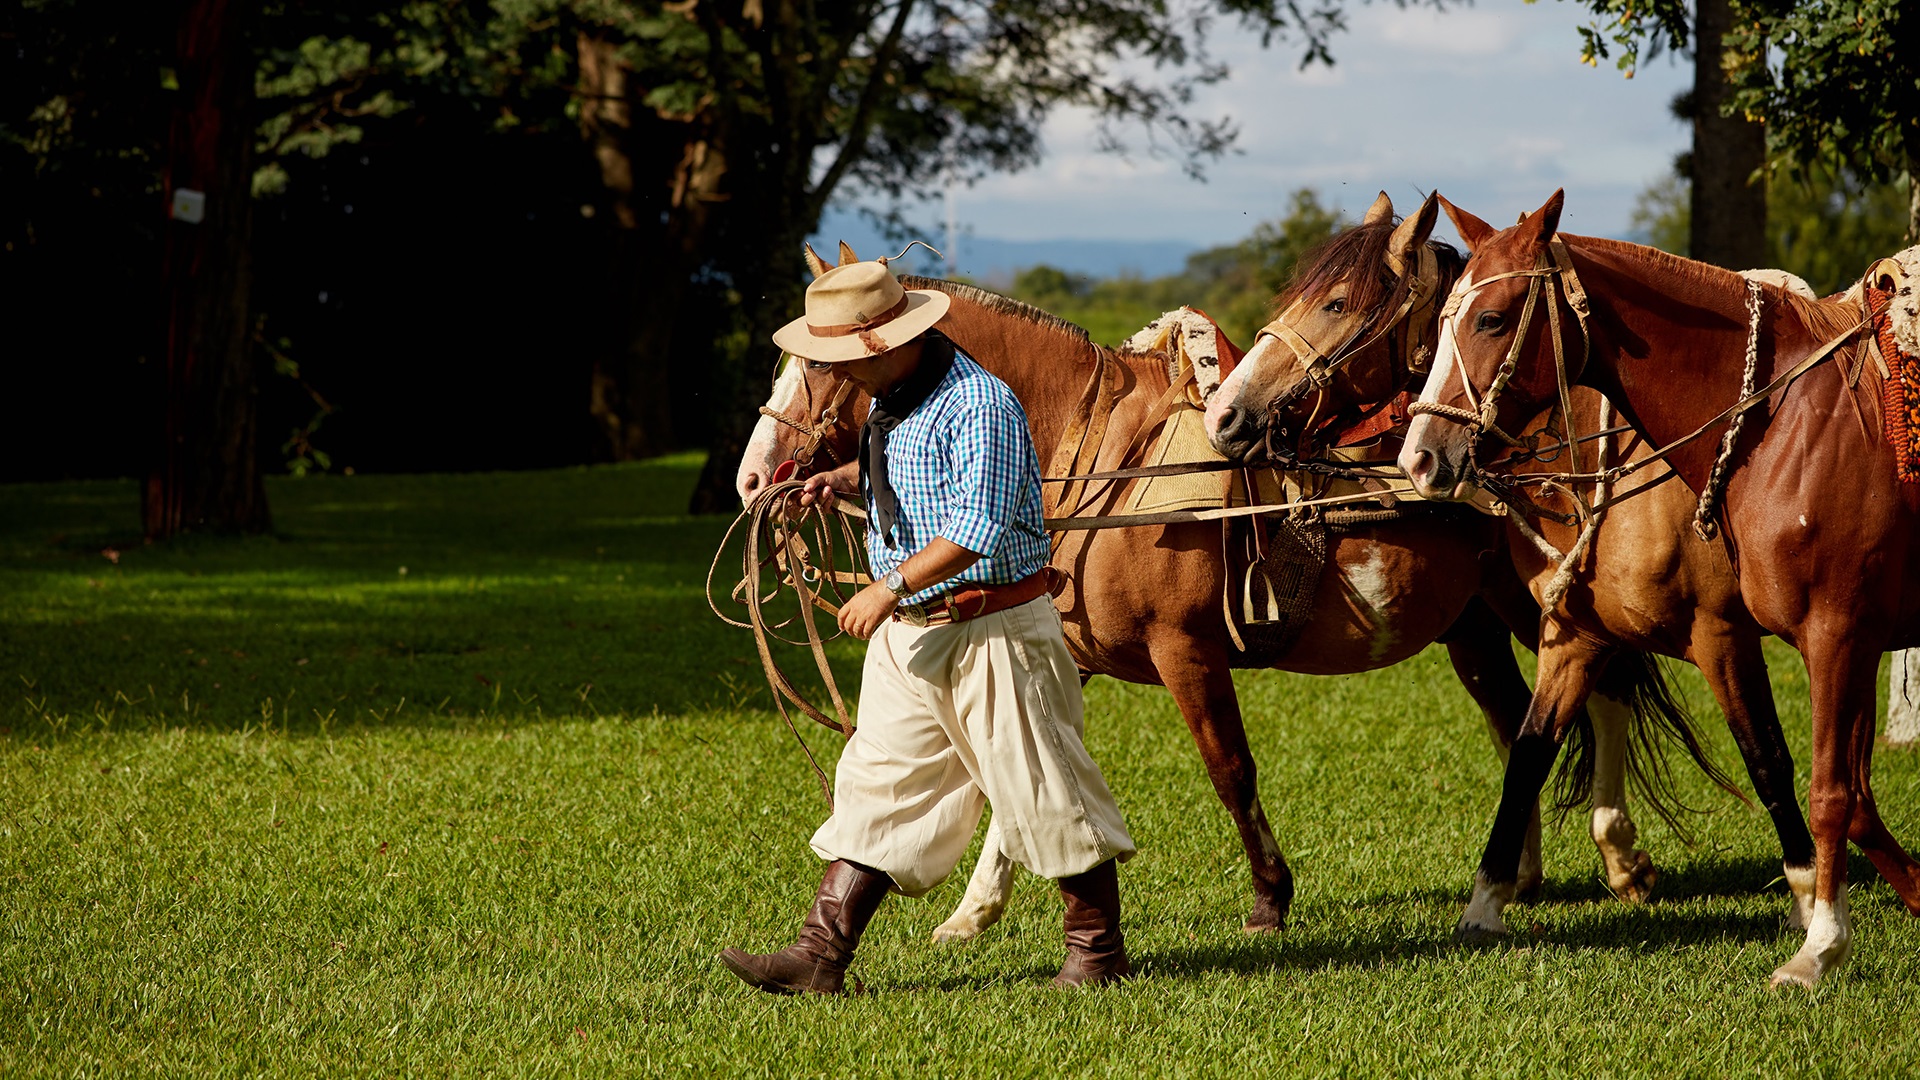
[[875, 374]]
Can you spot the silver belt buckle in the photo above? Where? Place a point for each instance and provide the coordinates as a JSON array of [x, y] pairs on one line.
[[912, 614]]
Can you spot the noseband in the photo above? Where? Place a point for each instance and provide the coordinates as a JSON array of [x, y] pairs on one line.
[[817, 429], [1554, 268], [1321, 366]]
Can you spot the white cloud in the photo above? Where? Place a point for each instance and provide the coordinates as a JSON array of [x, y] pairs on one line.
[[1489, 104]]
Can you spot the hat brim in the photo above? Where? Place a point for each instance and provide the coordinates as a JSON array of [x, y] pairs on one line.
[[924, 308]]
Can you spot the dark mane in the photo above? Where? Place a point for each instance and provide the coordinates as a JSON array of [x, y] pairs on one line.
[[1358, 256], [994, 302]]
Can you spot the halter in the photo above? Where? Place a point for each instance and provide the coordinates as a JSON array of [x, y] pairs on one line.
[[1321, 366], [817, 429], [1554, 268]]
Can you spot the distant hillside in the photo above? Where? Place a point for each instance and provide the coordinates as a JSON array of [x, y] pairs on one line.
[[995, 260]]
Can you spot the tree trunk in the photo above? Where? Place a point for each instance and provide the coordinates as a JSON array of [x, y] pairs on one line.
[[206, 475], [775, 295], [1913, 197], [661, 175], [1729, 226]]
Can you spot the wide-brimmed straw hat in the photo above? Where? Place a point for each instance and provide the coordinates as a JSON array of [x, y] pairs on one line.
[[859, 310]]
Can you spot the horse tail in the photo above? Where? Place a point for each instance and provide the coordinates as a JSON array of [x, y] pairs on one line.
[[1660, 721]]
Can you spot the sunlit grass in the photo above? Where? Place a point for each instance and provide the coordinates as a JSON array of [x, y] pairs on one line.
[[274, 805]]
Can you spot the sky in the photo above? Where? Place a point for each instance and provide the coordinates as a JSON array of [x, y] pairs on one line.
[[1489, 103]]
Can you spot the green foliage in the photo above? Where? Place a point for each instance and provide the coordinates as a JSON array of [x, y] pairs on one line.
[[1836, 80], [458, 776], [1234, 284], [1824, 229], [1632, 26]]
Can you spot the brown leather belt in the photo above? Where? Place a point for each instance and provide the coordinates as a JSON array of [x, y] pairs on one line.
[[977, 600]]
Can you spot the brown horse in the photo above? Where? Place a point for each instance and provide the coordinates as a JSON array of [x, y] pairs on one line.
[[1144, 603], [1814, 519], [1665, 594]]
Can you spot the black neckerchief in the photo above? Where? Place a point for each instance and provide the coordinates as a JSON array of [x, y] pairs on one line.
[[936, 359]]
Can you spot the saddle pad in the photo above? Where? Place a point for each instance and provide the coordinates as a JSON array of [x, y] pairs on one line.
[[1182, 438]]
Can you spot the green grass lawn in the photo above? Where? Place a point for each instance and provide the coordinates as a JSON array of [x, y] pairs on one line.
[[457, 774]]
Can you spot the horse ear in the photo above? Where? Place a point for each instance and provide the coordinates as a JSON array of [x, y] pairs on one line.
[[1381, 210], [1473, 232], [1544, 222], [814, 262], [847, 257], [1410, 234]]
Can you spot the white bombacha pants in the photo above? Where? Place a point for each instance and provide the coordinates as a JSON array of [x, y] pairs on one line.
[[958, 717]]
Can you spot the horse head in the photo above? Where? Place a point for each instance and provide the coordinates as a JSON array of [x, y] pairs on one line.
[[812, 415], [1349, 332], [1496, 367]]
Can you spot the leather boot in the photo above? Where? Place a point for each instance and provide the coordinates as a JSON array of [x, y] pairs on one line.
[[1096, 949], [817, 961]]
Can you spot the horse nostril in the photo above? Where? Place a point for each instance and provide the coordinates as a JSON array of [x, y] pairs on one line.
[[1422, 466]]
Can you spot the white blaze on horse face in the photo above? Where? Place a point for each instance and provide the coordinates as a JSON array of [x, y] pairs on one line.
[[758, 462], [1424, 433], [1230, 388]]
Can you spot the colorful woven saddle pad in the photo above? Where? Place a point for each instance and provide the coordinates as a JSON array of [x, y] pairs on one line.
[[1888, 294]]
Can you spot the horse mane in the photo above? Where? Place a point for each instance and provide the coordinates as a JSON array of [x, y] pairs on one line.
[[997, 304], [1823, 319], [1358, 256]]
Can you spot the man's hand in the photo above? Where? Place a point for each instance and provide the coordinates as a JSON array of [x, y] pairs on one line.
[[819, 489], [823, 486], [869, 607]]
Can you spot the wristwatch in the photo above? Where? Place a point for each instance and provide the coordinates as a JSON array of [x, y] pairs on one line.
[[896, 584]]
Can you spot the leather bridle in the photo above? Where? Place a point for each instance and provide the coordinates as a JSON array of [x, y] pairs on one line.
[[1320, 366], [817, 429]]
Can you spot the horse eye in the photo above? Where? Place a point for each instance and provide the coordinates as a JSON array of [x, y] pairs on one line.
[[819, 365], [1488, 322], [1335, 306]]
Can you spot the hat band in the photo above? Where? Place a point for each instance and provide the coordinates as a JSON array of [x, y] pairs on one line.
[[845, 329]]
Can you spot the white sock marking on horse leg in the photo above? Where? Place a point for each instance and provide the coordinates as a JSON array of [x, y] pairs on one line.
[[1483, 911], [1829, 943], [1269, 846], [987, 893], [1800, 880], [1629, 871]]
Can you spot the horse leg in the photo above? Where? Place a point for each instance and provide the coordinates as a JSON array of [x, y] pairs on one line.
[[1736, 672], [987, 892], [1481, 650], [1842, 672], [1870, 833], [1629, 870], [1567, 675], [1202, 687]]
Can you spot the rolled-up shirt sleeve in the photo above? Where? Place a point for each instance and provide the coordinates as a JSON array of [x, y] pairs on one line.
[[990, 446]]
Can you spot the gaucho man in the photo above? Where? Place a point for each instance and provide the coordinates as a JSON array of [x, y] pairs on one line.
[[968, 697]]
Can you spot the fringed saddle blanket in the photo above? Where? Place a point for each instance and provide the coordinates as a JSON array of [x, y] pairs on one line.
[[1895, 313]]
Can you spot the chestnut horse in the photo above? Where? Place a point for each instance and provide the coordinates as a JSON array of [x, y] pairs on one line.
[[1144, 603], [1813, 517], [1665, 593]]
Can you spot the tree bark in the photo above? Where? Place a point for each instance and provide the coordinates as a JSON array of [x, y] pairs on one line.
[[1913, 197], [661, 175], [1729, 219], [206, 472]]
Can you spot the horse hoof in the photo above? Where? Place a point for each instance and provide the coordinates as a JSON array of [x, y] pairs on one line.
[[1266, 918], [1476, 936], [1635, 884], [1801, 971], [946, 934]]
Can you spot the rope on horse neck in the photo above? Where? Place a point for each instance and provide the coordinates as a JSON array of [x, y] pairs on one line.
[[1704, 526], [802, 546]]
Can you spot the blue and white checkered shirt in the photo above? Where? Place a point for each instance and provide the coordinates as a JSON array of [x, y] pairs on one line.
[[963, 467]]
